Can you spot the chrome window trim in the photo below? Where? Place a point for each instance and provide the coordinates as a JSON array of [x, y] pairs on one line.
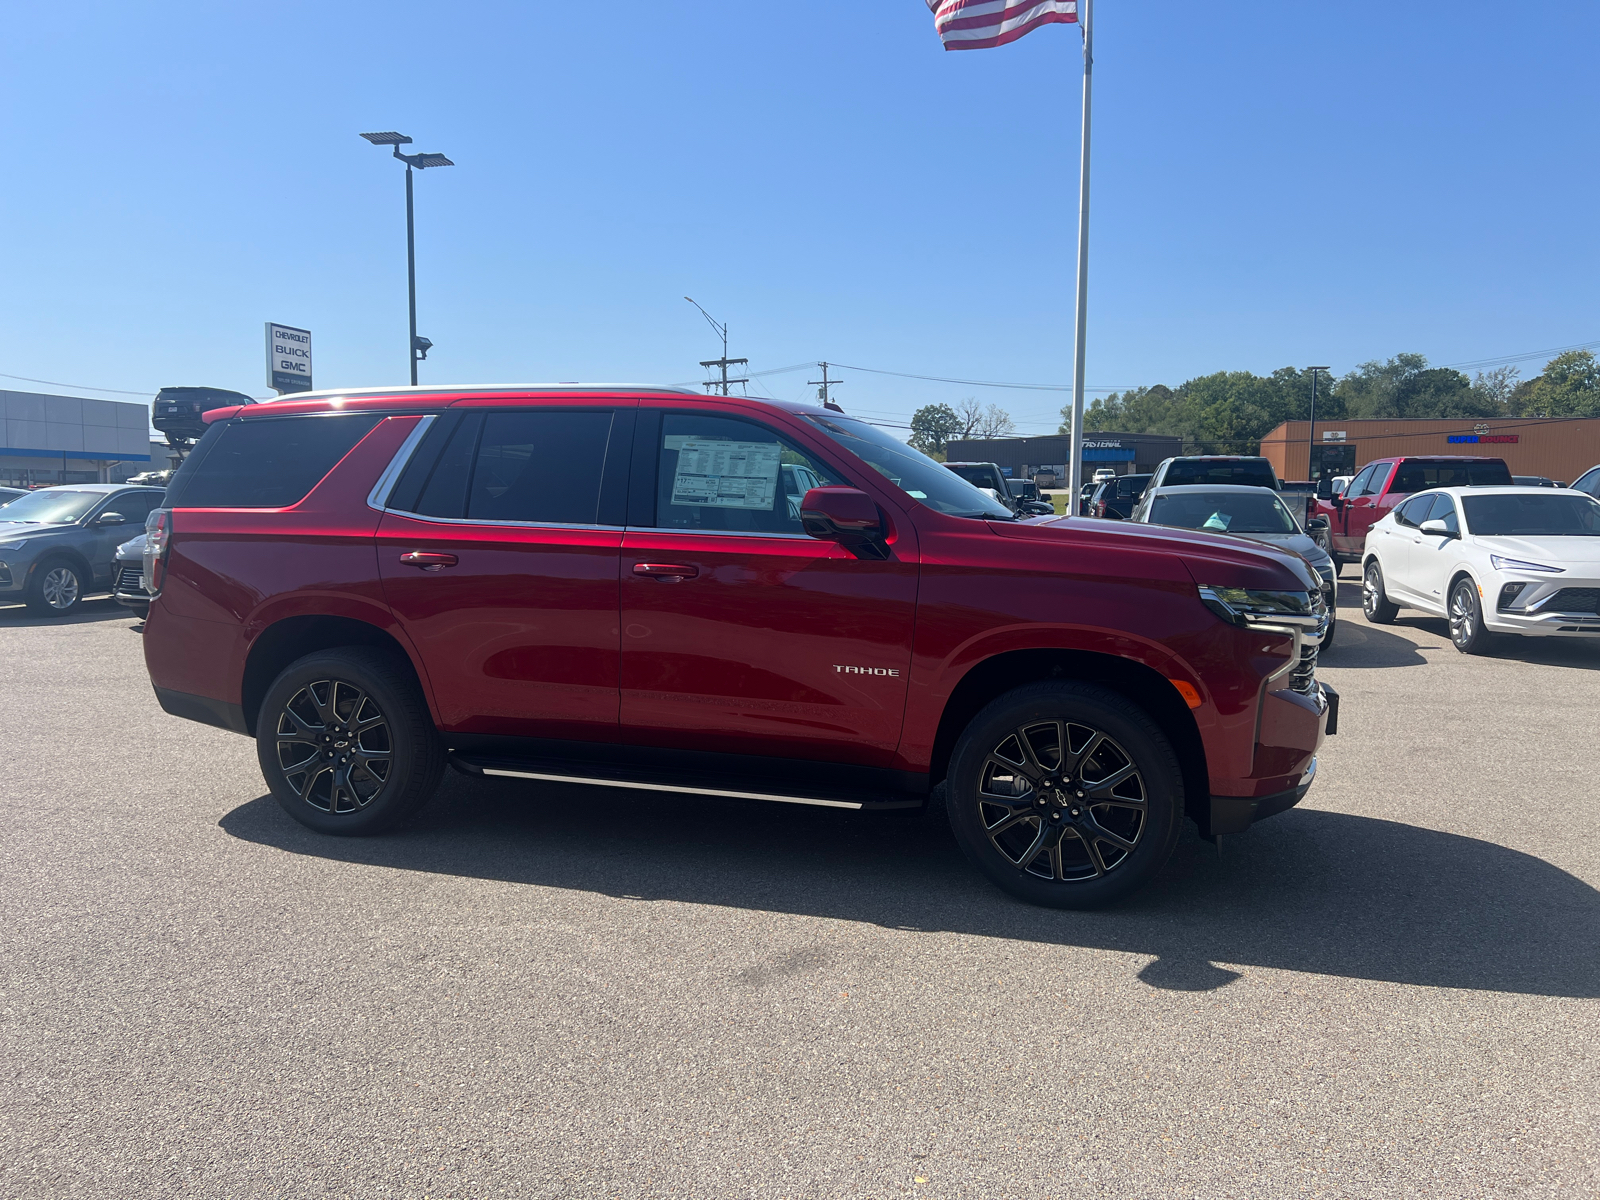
[[400, 512], [378, 498], [746, 533]]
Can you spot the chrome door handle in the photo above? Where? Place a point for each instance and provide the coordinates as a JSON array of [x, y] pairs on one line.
[[666, 572], [428, 560]]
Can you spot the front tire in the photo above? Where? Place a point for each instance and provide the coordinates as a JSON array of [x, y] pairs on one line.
[[1375, 603], [56, 589], [1065, 795], [346, 742], [1467, 632]]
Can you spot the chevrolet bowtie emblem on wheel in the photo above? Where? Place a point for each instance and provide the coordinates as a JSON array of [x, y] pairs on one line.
[[842, 670]]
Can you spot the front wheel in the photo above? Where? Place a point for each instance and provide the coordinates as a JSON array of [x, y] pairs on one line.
[[346, 743], [1065, 795], [1467, 632], [1375, 603], [56, 589]]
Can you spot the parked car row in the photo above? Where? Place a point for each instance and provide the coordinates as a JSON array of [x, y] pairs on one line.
[[59, 544]]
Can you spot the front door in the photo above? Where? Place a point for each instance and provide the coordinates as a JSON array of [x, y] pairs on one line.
[[1434, 555], [499, 557], [1361, 509], [740, 633]]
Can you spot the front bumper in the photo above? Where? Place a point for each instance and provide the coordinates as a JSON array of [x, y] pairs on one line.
[[1235, 814], [1544, 607]]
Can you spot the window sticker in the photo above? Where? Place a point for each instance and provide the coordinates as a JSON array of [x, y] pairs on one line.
[[726, 474]]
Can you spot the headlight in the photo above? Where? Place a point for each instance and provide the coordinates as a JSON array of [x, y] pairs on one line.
[[1516, 564], [1248, 606]]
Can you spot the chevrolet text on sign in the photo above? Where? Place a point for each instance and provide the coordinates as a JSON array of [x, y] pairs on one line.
[[288, 358]]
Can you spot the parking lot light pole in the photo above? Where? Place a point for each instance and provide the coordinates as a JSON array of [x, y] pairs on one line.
[[418, 347], [1311, 433]]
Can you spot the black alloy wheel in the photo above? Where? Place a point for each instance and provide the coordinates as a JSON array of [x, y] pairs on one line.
[[55, 589], [1375, 603], [1065, 795], [1467, 632], [346, 742]]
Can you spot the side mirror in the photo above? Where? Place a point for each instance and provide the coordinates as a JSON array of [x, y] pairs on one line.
[[111, 518], [1325, 488], [845, 515], [1317, 523], [1436, 529]]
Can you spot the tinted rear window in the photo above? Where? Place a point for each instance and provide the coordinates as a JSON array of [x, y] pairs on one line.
[[1247, 474], [1423, 476], [268, 463]]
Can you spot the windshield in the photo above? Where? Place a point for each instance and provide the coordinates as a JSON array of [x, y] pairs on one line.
[[1224, 512], [1249, 473], [912, 471], [52, 506], [1517, 516]]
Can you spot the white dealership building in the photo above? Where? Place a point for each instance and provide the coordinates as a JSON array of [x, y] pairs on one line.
[[72, 439]]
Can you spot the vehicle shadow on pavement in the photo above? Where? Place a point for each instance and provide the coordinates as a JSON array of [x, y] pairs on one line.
[[1357, 644], [1311, 891], [88, 611]]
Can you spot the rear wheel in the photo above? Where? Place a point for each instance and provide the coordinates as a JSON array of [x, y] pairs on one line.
[[1375, 602], [1065, 795], [346, 743], [1467, 632], [56, 588]]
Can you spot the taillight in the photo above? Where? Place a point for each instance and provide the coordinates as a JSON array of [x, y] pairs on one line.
[[1099, 508], [157, 541]]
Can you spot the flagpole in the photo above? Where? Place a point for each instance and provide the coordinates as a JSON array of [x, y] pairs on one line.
[[1075, 469]]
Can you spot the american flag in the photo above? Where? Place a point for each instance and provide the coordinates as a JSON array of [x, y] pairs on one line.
[[979, 24]]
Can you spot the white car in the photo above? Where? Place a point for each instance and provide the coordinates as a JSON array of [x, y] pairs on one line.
[[1491, 559]]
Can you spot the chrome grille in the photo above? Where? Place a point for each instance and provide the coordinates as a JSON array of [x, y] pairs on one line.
[[130, 579], [1304, 677]]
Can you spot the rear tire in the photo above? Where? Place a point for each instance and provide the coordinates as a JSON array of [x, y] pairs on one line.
[[1065, 795], [56, 588], [1375, 603], [1467, 632], [346, 742]]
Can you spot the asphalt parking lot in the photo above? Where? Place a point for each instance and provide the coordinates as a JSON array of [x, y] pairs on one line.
[[559, 992]]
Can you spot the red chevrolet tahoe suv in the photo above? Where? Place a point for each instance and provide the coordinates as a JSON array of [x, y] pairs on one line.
[[653, 588]]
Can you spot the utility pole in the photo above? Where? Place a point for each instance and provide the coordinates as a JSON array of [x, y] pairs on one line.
[[724, 362], [1311, 431], [823, 385]]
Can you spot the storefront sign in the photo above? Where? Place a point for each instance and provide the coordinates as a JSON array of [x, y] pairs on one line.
[[1485, 437], [1333, 435]]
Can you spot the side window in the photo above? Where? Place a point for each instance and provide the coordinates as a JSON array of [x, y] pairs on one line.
[[721, 473], [1443, 509], [264, 462], [1590, 483], [1414, 511], [134, 506], [1359, 483], [542, 466]]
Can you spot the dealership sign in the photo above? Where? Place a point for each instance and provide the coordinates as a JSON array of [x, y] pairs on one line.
[[1484, 437], [288, 359]]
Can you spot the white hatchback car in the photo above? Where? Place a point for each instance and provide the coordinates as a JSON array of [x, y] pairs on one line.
[[1492, 559]]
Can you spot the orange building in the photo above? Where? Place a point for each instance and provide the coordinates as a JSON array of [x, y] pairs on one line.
[[1559, 448]]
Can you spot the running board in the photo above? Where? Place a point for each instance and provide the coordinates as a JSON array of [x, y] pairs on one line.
[[669, 780]]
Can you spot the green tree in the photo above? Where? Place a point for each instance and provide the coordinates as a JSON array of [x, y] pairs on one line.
[[1568, 387], [932, 426], [1406, 386]]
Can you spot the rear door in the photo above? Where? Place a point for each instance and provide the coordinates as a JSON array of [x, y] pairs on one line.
[[498, 553], [740, 633]]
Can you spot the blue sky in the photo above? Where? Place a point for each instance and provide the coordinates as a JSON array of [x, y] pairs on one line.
[[1275, 182]]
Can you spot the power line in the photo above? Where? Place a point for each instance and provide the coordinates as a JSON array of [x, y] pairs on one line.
[[1027, 387], [1507, 360], [82, 387]]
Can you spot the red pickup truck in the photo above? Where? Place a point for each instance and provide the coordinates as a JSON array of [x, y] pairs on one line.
[[650, 588], [1384, 482]]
